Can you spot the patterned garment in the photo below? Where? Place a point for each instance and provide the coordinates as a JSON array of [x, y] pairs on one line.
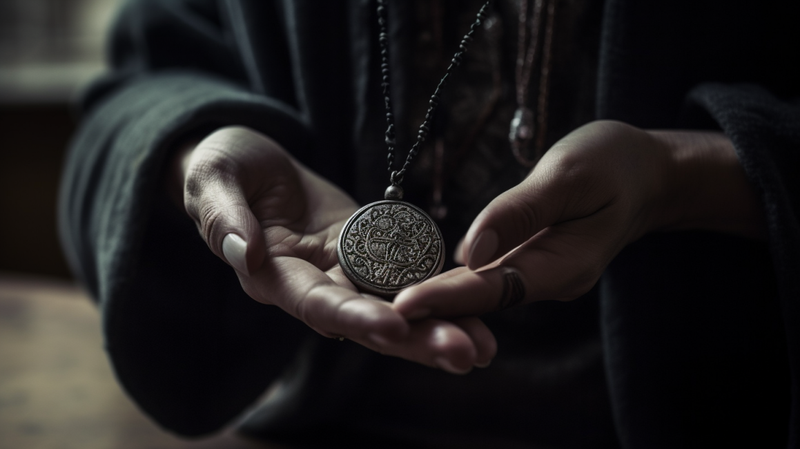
[[473, 163]]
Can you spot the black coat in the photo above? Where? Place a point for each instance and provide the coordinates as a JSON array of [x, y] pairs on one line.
[[699, 331]]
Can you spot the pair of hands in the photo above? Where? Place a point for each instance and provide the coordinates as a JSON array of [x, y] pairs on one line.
[[603, 186]]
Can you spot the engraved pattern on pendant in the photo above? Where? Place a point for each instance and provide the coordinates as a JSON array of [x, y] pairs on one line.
[[390, 245]]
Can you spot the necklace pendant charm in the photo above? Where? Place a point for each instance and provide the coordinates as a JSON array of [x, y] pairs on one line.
[[389, 245], [521, 134]]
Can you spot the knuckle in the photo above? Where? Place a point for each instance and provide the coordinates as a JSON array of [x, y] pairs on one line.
[[309, 306], [203, 177], [519, 216], [214, 165], [580, 284], [572, 169], [210, 219], [300, 310], [256, 290], [583, 285], [250, 291], [527, 219]]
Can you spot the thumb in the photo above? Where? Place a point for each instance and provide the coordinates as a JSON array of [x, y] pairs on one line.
[[216, 201], [509, 221]]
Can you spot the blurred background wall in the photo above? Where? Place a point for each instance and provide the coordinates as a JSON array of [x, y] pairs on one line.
[[57, 390], [49, 50]]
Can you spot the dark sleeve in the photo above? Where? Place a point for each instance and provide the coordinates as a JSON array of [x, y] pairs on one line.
[[654, 57], [184, 340], [765, 131]]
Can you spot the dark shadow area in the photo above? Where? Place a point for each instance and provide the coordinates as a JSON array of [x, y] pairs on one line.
[[33, 139]]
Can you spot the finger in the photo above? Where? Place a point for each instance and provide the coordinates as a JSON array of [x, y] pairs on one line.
[[435, 343], [511, 219], [457, 254], [215, 196], [564, 185], [229, 228], [413, 302], [463, 293], [482, 338], [328, 307], [560, 263]]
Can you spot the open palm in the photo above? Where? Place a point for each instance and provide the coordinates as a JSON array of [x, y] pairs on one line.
[[278, 224]]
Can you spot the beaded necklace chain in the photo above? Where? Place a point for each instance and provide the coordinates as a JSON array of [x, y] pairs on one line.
[[396, 177], [389, 245]]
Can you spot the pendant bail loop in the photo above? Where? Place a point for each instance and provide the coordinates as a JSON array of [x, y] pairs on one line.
[[396, 178]]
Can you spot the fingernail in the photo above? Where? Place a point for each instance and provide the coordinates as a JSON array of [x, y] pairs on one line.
[[378, 340], [234, 250], [457, 253], [418, 314], [483, 249], [445, 365], [483, 365]]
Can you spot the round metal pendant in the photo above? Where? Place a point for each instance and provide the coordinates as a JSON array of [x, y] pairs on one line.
[[389, 245]]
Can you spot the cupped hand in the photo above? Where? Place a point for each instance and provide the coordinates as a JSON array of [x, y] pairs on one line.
[[277, 224], [598, 189]]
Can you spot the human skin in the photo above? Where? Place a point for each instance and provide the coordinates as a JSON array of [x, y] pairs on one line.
[[277, 224], [601, 187]]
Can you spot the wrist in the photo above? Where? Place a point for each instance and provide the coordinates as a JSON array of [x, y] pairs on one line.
[[705, 187]]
